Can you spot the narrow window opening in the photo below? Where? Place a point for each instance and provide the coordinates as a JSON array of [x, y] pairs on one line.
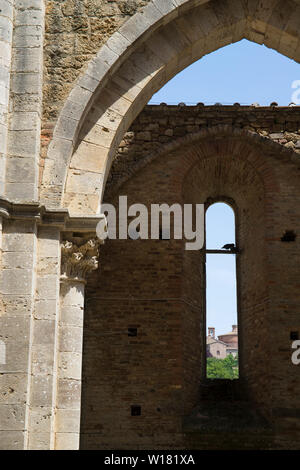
[[221, 294]]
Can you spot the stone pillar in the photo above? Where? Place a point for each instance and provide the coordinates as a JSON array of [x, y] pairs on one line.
[[2, 342], [26, 84], [42, 385], [1, 222], [79, 257], [17, 291], [6, 33]]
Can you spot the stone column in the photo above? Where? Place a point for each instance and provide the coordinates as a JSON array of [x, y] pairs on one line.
[[79, 257], [6, 33], [2, 343], [26, 84], [17, 291], [42, 384]]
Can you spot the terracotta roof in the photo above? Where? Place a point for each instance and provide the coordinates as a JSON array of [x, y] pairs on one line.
[[235, 333], [210, 340]]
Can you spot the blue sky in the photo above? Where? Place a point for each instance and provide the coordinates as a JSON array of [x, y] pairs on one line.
[[247, 73], [243, 72]]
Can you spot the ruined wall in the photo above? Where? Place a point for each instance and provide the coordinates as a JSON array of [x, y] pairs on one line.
[[41, 322], [140, 289], [74, 32], [159, 125], [137, 60], [157, 287]]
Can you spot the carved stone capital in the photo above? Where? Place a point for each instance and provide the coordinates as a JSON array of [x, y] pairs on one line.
[[79, 257]]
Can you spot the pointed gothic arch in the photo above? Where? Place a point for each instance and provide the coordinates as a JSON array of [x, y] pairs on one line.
[[147, 51]]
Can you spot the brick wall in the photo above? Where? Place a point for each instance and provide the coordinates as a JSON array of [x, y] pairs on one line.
[[158, 287], [158, 126]]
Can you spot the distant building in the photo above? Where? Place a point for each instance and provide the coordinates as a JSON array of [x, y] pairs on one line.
[[223, 345]]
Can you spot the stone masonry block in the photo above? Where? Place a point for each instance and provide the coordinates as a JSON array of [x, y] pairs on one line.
[[16, 281], [40, 420], [44, 332], [70, 365], [41, 391], [70, 339], [12, 440], [43, 359], [68, 421], [12, 417], [13, 388], [47, 287], [69, 394]]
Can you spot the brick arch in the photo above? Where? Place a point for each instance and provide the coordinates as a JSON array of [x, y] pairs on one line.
[[240, 145], [147, 51], [209, 141], [238, 171]]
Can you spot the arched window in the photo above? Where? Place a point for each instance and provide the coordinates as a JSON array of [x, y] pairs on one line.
[[221, 292]]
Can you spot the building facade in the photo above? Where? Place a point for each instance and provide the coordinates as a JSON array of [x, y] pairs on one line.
[[75, 79], [222, 346], [231, 340], [215, 348]]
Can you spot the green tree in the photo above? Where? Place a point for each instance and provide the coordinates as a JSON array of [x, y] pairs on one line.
[[227, 368]]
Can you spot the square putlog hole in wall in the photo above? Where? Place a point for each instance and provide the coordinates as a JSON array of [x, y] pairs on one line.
[[132, 332], [294, 335], [136, 410]]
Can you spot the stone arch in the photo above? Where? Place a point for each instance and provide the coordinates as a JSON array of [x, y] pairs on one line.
[[147, 51]]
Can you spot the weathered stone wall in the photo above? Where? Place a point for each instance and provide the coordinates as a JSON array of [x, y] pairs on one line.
[[158, 288], [74, 32], [25, 105], [158, 126], [138, 59], [6, 22], [91, 91]]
